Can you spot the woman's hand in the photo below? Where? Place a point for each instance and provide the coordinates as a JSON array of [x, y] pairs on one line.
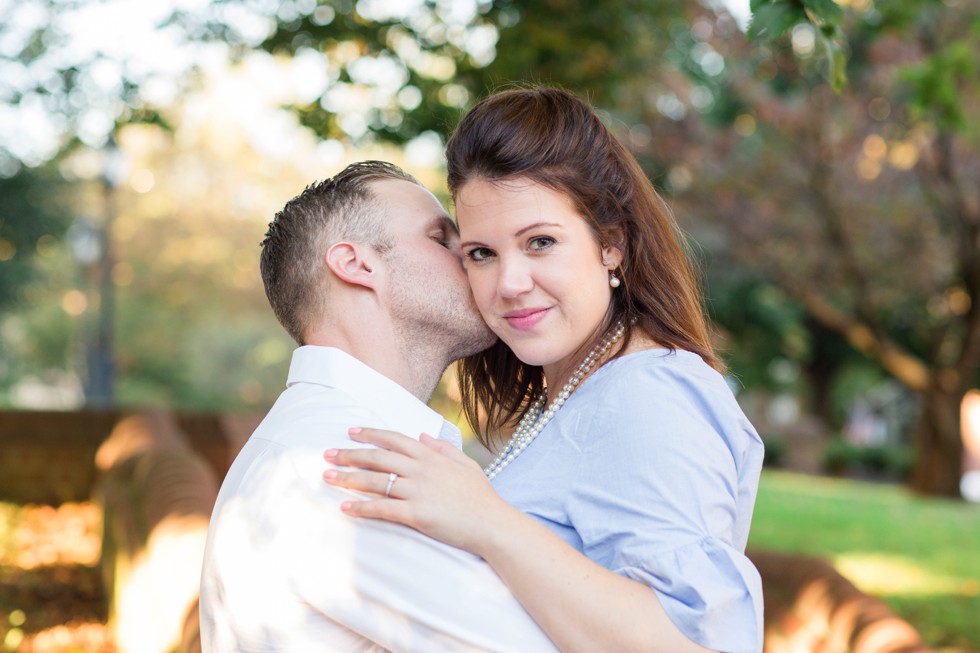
[[439, 490], [442, 493]]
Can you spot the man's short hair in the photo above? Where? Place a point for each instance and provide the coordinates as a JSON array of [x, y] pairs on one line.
[[292, 260]]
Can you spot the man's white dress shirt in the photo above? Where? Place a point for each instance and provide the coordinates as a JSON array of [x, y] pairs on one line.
[[286, 570]]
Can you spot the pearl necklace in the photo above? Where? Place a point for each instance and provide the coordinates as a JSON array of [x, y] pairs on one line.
[[535, 420]]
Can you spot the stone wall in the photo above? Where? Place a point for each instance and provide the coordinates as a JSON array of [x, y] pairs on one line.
[[48, 457]]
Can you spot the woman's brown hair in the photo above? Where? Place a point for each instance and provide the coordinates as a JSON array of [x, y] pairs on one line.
[[551, 137]]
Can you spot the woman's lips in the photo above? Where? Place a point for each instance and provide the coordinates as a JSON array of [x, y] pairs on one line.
[[525, 319]]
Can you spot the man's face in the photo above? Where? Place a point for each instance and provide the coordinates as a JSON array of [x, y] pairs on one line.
[[429, 296]]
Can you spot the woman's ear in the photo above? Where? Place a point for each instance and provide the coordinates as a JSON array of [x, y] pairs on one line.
[[611, 258], [350, 263], [612, 255]]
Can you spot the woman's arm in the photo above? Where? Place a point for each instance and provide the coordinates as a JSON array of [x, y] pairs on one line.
[[581, 605]]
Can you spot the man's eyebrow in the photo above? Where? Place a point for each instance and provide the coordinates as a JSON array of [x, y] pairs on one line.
[[444, 222]]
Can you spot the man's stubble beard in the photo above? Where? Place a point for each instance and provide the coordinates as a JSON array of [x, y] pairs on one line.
[[435, 314]]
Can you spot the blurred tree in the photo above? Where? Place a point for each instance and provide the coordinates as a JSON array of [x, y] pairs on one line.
[[820, 192], [772, 343], [63, 89], [821, 20], [816, 192], [862, 205], [32, 221], [193, 329], [61, 85], [398, 71]]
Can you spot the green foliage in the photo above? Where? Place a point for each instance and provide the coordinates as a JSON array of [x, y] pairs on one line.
[[841, 457], [594, 48], [598, 49], [772, 19], [827, 12], [31, 218], [838, 456], [935, 84], [769, 325], [775, 452], [856, 378], [823, 193]]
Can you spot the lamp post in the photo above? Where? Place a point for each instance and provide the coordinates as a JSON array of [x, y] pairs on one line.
[[102, 365], [92, 246], [86, 244]]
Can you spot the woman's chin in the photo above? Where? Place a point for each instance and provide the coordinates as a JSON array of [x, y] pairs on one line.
[[533, 358]]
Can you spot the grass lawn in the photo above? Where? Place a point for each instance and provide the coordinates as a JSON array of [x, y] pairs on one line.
[[920, 555]]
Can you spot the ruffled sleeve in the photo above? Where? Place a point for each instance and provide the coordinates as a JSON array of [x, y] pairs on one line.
[[664, 495], [710, 593]]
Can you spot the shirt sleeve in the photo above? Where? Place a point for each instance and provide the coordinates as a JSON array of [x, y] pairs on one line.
[[658, 501]]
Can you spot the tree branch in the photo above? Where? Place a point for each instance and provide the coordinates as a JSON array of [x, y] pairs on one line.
[[821, 191], [904, 366], [944, 192]]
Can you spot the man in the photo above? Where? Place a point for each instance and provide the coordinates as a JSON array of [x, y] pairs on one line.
[[362, 271]]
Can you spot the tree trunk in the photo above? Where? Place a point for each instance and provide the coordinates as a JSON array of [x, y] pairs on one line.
[[828, 352], [938, 463]]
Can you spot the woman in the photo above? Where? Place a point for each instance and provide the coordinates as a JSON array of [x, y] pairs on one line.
[[641, 472]]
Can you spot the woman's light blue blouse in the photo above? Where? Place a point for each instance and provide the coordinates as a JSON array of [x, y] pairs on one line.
[[651, 469]]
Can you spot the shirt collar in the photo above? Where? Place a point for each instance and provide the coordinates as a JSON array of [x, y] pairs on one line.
[[331, 367]]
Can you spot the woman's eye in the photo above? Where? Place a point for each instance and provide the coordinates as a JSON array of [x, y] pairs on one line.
[[479, 254], [541, 242]]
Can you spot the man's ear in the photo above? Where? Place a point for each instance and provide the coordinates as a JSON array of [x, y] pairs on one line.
[[351, 263]]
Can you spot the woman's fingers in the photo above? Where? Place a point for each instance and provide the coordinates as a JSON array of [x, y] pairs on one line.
[[374, 470], [376, 460], [443, 447], [398, 512], [394, 453], [383, 484], [391, 440], [434, 489]]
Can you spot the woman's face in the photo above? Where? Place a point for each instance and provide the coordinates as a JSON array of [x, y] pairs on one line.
[[537, 271]]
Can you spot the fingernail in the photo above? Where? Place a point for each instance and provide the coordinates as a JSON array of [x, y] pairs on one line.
[[354, 430], [346, 506], [329, 474], [330, 453]]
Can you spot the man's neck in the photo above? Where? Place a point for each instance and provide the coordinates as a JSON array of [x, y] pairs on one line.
[[421, 372]]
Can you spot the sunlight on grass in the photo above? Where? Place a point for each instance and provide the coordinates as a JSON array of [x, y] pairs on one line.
[[918, 553], [889, 575]]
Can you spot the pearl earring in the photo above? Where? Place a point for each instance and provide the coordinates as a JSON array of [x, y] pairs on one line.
[[613, 280]]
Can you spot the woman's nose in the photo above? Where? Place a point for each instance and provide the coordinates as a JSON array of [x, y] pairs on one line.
[[514, 278]]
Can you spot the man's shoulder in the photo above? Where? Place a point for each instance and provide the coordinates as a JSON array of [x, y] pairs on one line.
[[307, 409], [288, 445]]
